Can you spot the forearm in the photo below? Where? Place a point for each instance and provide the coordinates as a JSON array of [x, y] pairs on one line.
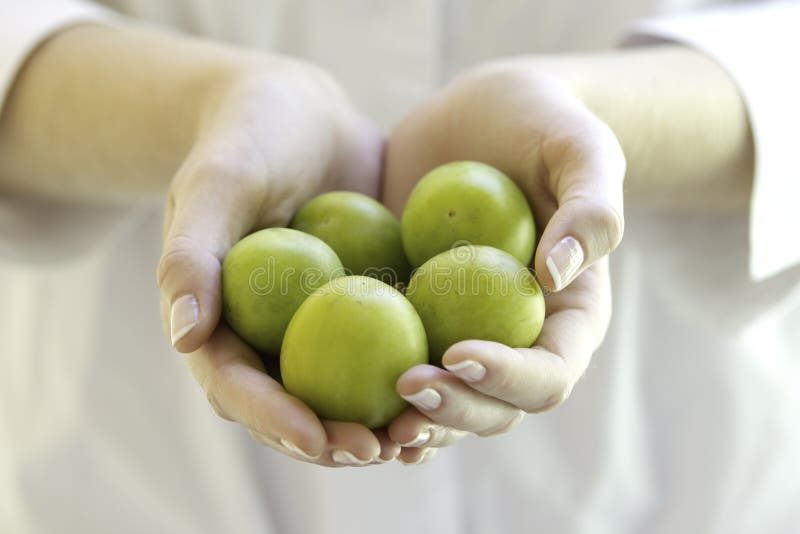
[[678, 116], [98, 111]]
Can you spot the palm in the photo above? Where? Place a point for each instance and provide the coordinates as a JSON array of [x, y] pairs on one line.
[[269, 146], [506, 120]]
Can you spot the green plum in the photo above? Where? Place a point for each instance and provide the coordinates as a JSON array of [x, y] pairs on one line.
[[476, 292], [265, 278], [467, 202], [347, 345], [363, 233]]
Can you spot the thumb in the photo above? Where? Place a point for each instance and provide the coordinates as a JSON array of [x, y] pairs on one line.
[[586, 176], [199, 229]]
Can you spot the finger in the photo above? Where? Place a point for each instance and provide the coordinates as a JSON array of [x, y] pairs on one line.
[[412, 429], [542, 377], [389, 449], [351, 444], [412, 456], [237, 387], [447, 401], [205, 216], [586, 169], [326, 459], [533, 379]]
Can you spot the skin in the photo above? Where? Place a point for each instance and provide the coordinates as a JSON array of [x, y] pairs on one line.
[[564, 127], [240, 139], [236, 141]]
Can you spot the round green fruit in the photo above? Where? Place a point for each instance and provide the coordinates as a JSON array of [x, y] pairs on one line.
[[346, 347], [265, 278], [476, 292], [467, 202], [363, 233]]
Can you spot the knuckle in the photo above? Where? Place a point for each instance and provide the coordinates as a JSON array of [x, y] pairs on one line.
[[504, 74], [220, 166], [208, 382], [613, 223], [177, 256], [505, 426], [462, 415], [553, 401], [603, 226], [503, 380], [217, 408]]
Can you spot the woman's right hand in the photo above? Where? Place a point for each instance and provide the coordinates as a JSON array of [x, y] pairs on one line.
[[273, 134]]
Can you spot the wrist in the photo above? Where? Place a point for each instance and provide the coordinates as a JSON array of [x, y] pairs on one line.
[[678, 116]]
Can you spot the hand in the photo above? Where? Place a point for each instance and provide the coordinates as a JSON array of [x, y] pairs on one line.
[[532, 126], [273, 135]]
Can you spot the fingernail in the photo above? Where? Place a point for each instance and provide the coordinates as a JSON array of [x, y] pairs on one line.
[[564, 261], [297, 450], [418, 460], [381, 460], [467, 370], [427, 399], [183, 317], [347, 458], [423, 437]]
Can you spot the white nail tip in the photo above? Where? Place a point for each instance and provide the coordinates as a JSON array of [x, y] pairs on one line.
[[564, 261], [180, 334], [297, 450], [427, 455], [468, 370], [427, 399], [347, 458], [183, 317], [551, 266], [422, 438]]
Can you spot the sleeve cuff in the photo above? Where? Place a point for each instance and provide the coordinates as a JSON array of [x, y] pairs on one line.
[[26, 24], [757, 44]]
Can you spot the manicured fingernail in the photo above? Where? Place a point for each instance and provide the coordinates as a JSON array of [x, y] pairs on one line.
[[427, 399], [382, 460], [423, 437], [415, 462], [347, 458], [564, 261], [467, 370], [297, 450], [184, 316]]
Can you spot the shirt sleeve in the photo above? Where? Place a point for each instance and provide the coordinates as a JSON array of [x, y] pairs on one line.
[[757, 44], [24, 25], [34, 230]]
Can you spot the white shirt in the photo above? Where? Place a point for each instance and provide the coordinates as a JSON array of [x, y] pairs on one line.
[[685, 422]]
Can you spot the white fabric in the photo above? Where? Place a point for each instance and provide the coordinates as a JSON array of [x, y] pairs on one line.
[[24, 24], [686, 421], [769, 85]]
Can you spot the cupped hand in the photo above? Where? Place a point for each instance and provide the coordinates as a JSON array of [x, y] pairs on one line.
[[275, 133], [534, 127]]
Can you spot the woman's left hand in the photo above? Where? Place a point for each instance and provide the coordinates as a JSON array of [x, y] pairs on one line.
[[533, 127]]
